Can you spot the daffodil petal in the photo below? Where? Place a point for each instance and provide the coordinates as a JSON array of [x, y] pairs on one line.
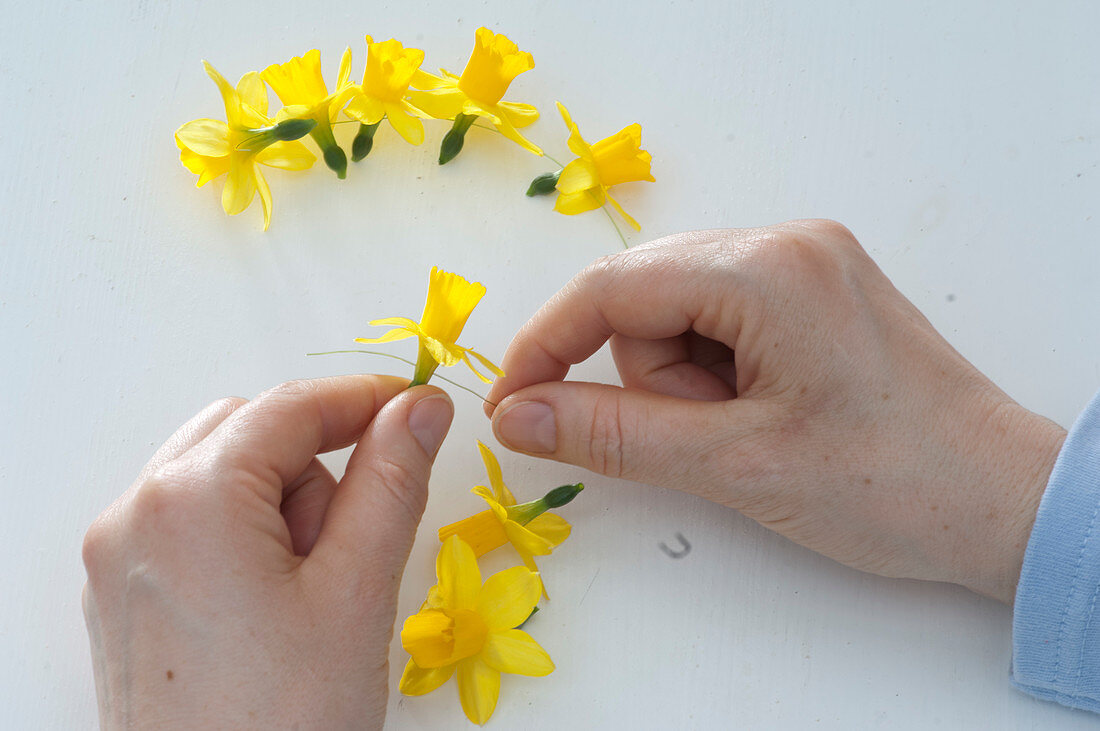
[[440, 103], [416, 680], [520, 115], [240, 188], [440, 352], [577, 176], [478, 689], [428, 637], [389, 337], [423, 80], [524, 540], [230, 99], [550, 527], [492, 367], [207, 168], [505, 127], [508, 597], [286, 156], [265, 197], [626, 216], [345, 69], [492, 469], [516, 652], [573, 203], [397, 322], [458, 574], [209, 137], [367, 110], [252, 91], [409, 127], [469, 364]]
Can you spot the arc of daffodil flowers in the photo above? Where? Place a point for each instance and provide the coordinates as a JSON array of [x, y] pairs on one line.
[[211, 148], [583, 183], [390, 67], [451, 299], [300, 86], [503, 523], [479, 92], [468, 629]]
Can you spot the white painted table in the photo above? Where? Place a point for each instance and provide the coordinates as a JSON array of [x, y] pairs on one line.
[[962, 146]]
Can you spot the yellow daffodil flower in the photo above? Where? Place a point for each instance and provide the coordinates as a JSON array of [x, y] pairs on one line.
[[300, 86], [390, 68], [211, 148], [468, 629], [478, 92], [450, 301], [530, 530], [583, 183]]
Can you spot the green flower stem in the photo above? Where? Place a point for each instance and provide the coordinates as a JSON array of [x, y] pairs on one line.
[[364, 141], [559, 496]]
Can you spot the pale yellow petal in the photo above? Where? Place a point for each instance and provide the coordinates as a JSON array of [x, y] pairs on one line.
[[252, 91], [442, 103], [585, 200], [240, 187], [416, 680], [526, 541], [516, 652], [577, 176], [396, 322], [576, 143], [458, 574], [550, 527], [229, 95], [287, 156], [626, 216], [423, 80], [367, 110], [492, 469], [508, 597], [478, 689], [389, 337], [520, 115], [345, 70], [409, 127], [492, 367], [508, 130], [209, 137], [265, 196]]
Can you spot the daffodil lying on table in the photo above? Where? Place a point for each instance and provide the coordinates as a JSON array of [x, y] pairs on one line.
[[583, 184], [479, 92], [382, 95], [451, 300], [470, 630], [211, 148], [528, 527]]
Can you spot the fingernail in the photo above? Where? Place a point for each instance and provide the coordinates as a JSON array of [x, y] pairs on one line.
[[529, 427], [429, 420]]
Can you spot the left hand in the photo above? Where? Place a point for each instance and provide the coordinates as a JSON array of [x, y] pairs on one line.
[[237, 584]]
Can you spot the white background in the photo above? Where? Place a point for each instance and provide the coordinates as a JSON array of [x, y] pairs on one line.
[[959, 141]]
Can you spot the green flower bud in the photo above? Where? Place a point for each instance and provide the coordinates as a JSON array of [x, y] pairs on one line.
[[293, 129], [524, 513], [337, 160], [452, 141], [364, 141], [543, 184]]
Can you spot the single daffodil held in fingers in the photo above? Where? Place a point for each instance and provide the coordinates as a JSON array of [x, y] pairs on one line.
[[583, 184], [451, 299], [528, 527], [390, 68], [470, 630], [479, 92], [211, 148], [300, 85]]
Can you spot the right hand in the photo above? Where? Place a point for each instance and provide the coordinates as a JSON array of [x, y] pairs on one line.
[[779, 372]]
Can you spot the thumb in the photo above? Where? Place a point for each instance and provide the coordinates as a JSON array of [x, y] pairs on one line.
[[702, 447], [372, 519]]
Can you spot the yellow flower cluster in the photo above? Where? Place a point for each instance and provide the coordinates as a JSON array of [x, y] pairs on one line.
[[393, 88], [465, 628]]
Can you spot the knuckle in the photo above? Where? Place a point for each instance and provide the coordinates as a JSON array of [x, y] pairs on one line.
[[605, 442], [828, 229], [226, 406], [97, 545], [289, 389]]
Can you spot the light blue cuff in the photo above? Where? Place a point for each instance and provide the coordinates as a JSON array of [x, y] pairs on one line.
[[1056, 625]]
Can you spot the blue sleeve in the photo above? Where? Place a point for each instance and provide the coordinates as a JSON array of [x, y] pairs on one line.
[[1056, 625]]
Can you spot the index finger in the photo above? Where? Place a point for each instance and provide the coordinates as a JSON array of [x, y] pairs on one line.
[[650, 292], [274, 437]]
